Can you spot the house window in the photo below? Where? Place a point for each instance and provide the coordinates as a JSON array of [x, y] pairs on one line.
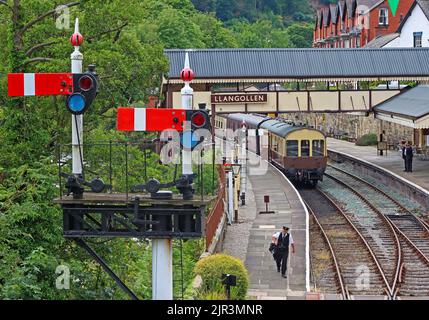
[[418, 39], [383, 19]]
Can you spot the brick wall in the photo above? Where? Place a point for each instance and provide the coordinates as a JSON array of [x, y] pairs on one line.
[[394, 21]]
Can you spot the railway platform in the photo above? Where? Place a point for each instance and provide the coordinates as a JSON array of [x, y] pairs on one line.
[[265, 282], [392, 162]]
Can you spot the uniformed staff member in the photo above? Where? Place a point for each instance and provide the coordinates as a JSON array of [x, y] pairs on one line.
[[283, 240], [407, 155]]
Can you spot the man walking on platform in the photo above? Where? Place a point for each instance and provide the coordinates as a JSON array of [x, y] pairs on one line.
[[282, 240]]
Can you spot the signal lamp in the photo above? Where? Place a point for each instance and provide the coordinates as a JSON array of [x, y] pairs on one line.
[[198, 119], [76, 103], [84, 92], [85, 83]]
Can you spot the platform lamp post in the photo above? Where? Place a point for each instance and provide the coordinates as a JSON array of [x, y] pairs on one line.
[[243, 162], [236, 171], [77, 120], [230, 193]]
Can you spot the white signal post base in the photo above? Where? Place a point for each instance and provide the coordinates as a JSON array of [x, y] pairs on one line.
[[162, 269]]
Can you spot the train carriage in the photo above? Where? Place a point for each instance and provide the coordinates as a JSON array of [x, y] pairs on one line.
[[299, 151]]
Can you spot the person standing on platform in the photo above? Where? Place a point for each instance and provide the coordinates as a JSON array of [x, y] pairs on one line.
[[283, 240], [408, 153], [404, 146]]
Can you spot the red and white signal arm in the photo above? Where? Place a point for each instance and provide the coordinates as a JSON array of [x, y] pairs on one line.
[[39, 84], [150, 119]]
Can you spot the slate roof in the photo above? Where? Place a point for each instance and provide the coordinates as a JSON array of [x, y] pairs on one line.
[[412, 103], [302, 64], [381, 41], [334, 12], [424, 4]]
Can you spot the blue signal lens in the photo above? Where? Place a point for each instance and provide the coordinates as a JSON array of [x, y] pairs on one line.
[[76, 103], [189, 140]]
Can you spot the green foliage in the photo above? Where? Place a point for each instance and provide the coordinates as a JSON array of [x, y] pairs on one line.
[[297, 10], [211, 269], [125, 39], [367, 140]]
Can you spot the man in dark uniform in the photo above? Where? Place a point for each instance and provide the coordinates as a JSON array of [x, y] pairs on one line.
[[282, 240], [407, 155]]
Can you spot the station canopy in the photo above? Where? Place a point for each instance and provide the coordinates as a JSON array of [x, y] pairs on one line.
[[303, 65], [409, 108]]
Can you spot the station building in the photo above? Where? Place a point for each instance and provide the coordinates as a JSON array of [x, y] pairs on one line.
[[330, 89]]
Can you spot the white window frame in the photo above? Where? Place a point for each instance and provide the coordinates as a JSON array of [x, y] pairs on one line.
[[385, 17], [415, 35]]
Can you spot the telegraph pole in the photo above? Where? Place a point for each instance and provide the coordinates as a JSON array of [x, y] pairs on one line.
[[77, 120]]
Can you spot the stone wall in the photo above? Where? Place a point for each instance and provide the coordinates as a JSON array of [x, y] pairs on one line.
[[354, 125]]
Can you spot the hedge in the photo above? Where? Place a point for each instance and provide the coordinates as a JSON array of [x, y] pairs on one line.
[[367, 140], [211, 269]]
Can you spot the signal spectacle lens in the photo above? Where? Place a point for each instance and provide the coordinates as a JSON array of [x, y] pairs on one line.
[[85, 83], [198, 119]]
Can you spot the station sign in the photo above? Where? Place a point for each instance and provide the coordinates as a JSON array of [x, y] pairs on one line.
[[239, 98]]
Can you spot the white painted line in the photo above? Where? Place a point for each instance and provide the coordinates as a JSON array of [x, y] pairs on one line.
[[139, 119], [267, 227], [29, 84]]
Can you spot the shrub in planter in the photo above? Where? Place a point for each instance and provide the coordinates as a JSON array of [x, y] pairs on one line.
[[211, 269], [367, 140]]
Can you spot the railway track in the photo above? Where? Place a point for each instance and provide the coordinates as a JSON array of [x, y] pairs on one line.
[[357, 269], [413, 233], [325, 280]]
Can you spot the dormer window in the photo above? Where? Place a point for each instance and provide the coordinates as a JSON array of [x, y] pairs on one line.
[[383, 18]]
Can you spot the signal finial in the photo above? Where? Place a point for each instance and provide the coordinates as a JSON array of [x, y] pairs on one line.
[[76, 39]]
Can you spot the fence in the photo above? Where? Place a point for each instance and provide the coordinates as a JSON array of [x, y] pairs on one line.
[[216, 213]]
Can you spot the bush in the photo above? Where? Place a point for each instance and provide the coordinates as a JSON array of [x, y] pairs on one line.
[[367, 140], [211, 269]]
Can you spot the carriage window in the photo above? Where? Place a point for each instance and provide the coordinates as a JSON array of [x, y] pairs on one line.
[[275, 144], [318, 148], [292, 148], [305, 148]]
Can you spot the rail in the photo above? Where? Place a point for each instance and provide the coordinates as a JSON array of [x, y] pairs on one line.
[[391, 228], [388, 289], [217, 211], [344, 292], [396, 229]]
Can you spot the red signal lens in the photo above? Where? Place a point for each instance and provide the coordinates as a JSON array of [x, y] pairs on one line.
[[85, 83], [198, 119]]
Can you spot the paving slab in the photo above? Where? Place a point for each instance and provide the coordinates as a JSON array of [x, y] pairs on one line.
[[253, 242]]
